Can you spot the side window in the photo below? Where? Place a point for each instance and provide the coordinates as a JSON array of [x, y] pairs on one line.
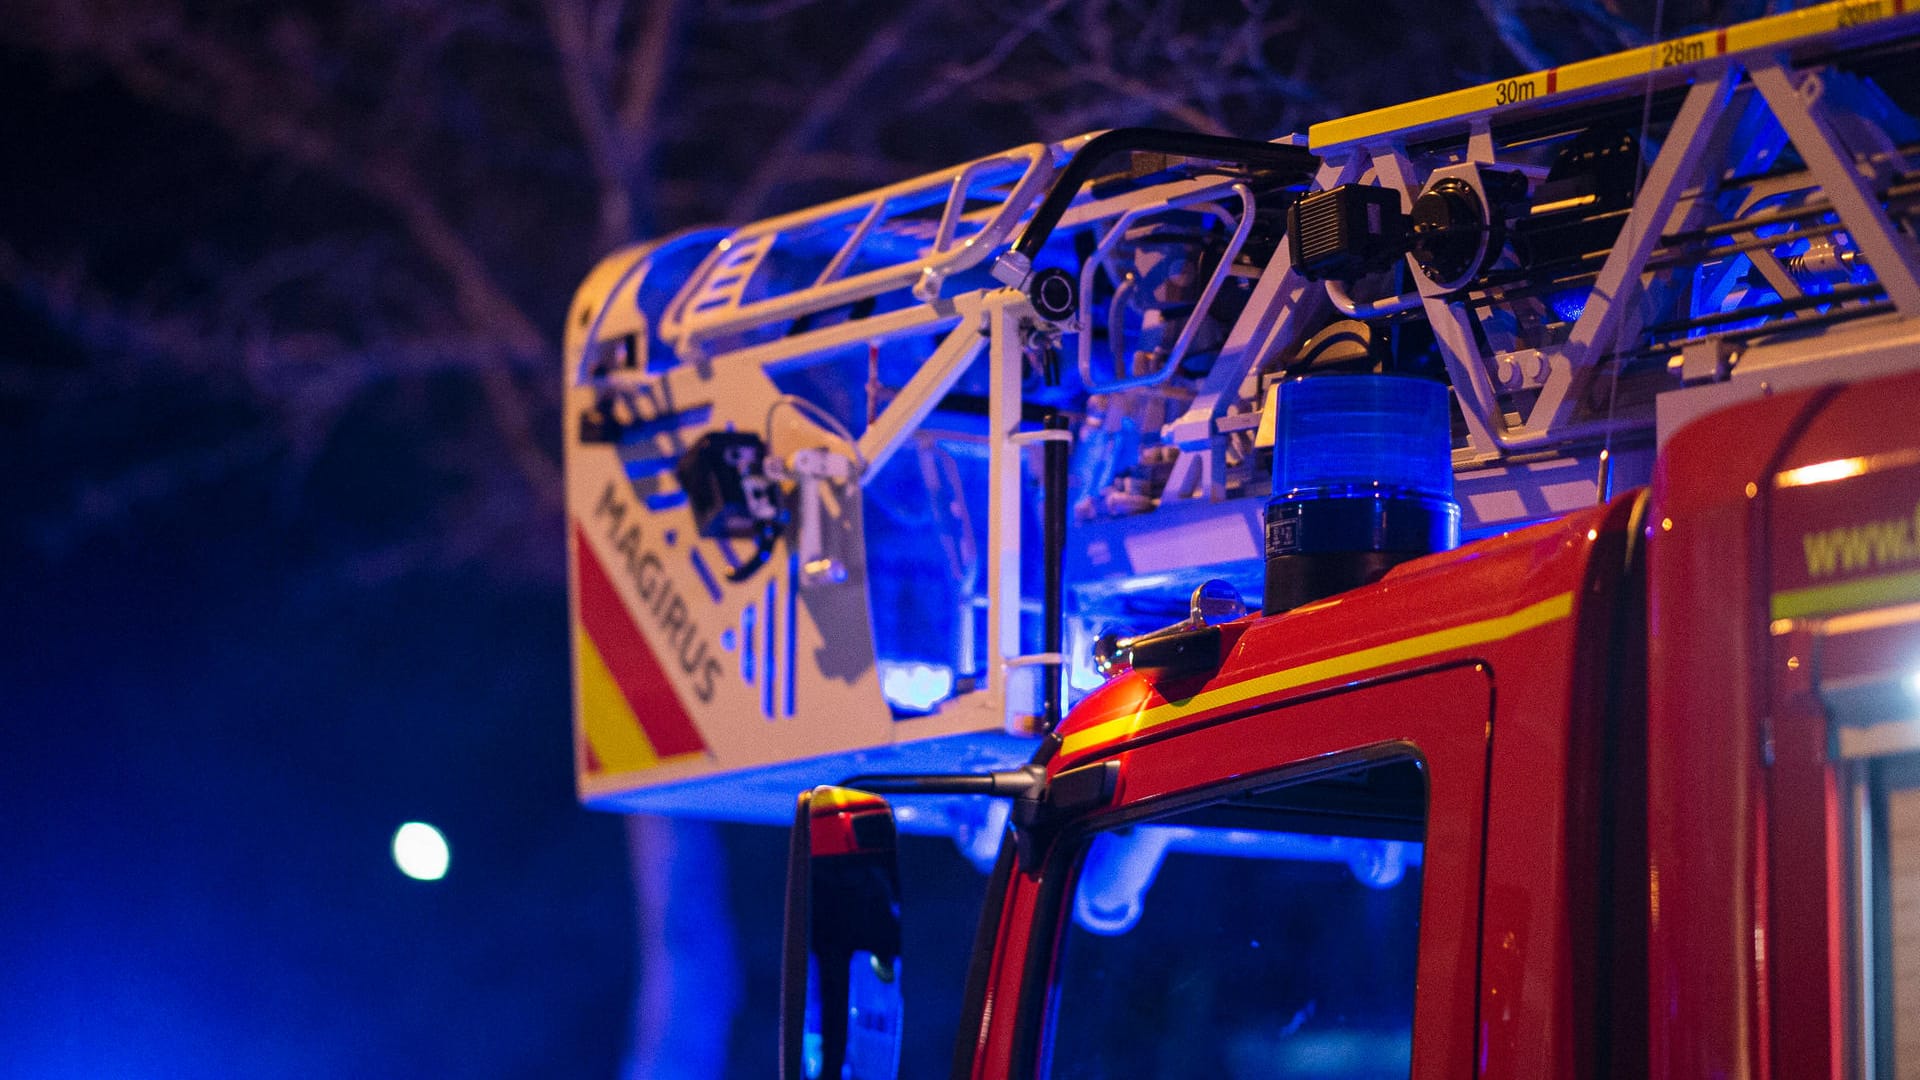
[[1892, 918], [1873, 718], [1269, 933]]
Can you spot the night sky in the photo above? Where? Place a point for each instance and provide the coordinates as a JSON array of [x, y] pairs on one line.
[[215, 715]]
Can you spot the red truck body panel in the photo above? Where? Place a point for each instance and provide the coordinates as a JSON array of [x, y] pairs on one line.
[[1748, 935]]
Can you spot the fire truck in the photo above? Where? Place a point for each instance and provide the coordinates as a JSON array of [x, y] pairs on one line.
[[1439, 596]]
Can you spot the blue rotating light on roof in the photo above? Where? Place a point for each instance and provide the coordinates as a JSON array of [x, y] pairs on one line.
[[1362, 480]]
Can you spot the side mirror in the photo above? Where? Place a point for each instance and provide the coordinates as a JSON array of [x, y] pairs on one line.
[[840, 998], [1190, 647]]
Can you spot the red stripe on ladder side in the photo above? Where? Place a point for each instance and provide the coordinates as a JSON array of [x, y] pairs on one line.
[[635, 669]]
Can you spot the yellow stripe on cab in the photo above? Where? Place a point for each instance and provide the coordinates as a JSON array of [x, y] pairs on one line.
[[1551, 610]]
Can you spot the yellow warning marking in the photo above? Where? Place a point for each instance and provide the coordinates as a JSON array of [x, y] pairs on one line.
[[1866, 592], [1467, 635], [612, 729], [1680, 53], [839, 798]]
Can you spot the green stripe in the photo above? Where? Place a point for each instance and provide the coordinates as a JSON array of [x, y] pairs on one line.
[[1847, 596]]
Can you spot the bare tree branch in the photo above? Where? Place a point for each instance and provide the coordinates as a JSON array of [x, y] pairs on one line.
[[955, 78], [580, 41], [638, 116], [826, 106], [772, 11]]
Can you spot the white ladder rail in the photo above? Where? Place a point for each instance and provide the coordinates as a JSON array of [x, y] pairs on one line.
[[713, 303]]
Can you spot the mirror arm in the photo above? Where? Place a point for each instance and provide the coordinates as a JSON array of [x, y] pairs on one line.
[[1026, 782], [1038, 806]]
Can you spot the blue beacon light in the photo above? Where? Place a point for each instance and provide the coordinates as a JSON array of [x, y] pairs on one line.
[[1362, 480]]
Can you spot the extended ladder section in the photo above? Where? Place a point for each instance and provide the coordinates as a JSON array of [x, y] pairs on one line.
[[1643, 216], [917, 233], [798, 470]]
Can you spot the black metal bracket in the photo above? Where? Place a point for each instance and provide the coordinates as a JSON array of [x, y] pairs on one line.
[[1294, 162]]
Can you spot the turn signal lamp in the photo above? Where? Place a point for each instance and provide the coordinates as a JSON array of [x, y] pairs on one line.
[[1362, 480]]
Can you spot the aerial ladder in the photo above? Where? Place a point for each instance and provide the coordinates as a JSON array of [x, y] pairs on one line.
[[867, 487]]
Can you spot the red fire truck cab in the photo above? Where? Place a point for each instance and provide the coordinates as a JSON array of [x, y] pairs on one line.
[[1631, 793]]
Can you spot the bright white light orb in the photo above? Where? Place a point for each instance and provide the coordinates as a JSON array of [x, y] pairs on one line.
[[421, 852]]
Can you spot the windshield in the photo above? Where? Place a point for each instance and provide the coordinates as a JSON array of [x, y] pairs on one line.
[[1231, 941]]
